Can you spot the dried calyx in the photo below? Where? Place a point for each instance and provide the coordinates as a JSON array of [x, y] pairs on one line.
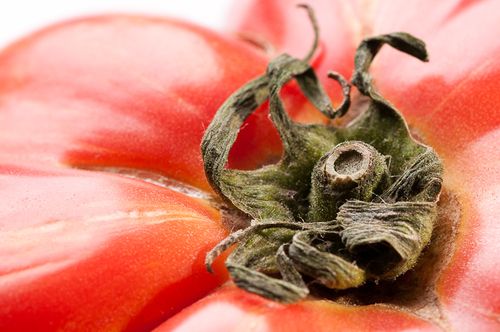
[[344, 205]]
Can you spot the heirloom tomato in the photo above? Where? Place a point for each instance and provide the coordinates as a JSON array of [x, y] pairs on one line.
[[105, 212]]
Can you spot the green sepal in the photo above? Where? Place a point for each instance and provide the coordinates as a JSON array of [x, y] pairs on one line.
[[371, 229]]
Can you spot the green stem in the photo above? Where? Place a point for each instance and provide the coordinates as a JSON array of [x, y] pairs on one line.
[[351, 170]]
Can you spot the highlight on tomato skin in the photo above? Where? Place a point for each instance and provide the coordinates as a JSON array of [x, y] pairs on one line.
[[126, 91], [91, 251], [451, 103]]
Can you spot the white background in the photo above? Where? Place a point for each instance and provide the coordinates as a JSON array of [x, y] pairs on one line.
[[20, 17]]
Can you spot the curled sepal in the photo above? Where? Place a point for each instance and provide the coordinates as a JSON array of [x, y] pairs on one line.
[[386, 239], [346, 92], [259, 283], [369, 48], [260, 256], [316, 253], [243, 234], [314, 23], [285, 67], [223, 130], [288, 271], [420, 181]]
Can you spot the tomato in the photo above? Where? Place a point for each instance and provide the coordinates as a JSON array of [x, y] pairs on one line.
[[451, 104], [105, 220]]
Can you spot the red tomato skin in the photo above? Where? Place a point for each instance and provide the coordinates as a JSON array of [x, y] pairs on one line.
[[125, 91], [122, 254], [231, 309]]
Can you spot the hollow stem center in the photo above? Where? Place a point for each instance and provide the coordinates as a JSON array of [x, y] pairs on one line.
[[349, 164]]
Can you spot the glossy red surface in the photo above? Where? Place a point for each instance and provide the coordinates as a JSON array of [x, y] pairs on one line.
[[86, 250], [231, 309], [89, 251], [122, 91]]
